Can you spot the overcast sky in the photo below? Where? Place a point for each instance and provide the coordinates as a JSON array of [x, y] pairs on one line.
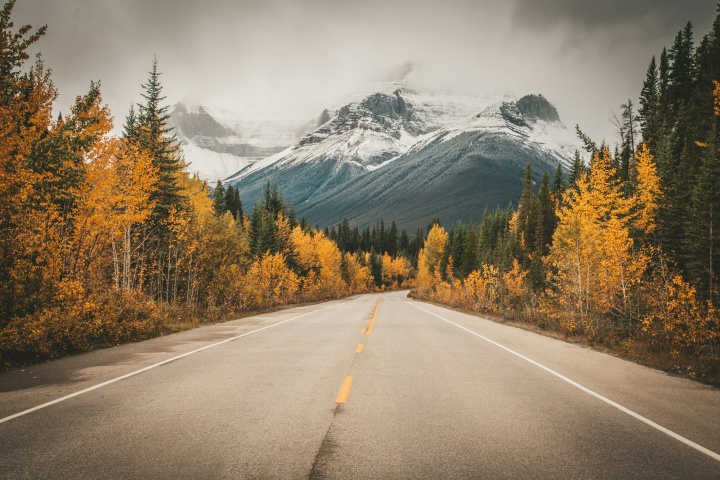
[[586, 56]]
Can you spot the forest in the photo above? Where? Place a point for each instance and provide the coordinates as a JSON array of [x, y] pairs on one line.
[[623, 253], [106, 238]]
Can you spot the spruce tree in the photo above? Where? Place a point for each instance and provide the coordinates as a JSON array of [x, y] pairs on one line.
[[219, 199], [546, 219], [392, 240], [649, 106], [682, 69], [233, 203], [468, 261], [578, 170], [525, 209], [156, 138]]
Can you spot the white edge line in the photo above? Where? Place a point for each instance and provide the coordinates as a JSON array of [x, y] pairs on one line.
[[678, 437], [149, 367]]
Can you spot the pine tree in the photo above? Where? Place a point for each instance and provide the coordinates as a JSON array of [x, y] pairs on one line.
[[468, 261], [130, 129], [156, 137], [558, 185], [649, 114], [392, 240], [525, 208], [664, 83], [629, 128], [232, 202], [701, 252], [404, 244], [682, 70], [219, 199], [547, 219], [577, 171]]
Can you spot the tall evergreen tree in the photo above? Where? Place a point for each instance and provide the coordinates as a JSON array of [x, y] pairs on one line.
[[130, 130], [219, 199], [578, 170], [232, 202], [156, 137], [525, 207], [546, 219], [682, 70], [649, 105]]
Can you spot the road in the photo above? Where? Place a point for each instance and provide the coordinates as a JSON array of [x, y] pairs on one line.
[[432, 393]]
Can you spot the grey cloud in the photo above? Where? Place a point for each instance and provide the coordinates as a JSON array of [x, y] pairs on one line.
[[636, 18], [276, 52]]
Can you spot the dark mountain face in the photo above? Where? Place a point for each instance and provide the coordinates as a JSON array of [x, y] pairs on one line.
[[537, 106], [454, 180]]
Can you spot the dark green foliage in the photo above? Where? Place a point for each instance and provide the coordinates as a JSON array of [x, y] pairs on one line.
[[376, 267], [233, 203], [526, 208], [589, 145], [679, 125], [156, 138], [628, 133], [264, 235], [456, 237], [467, 261], [131, 122], [558, 185], [391, 240], [218, 198], [649, 114], [546, 219], [701, 250], [14, 46], [578, 170]]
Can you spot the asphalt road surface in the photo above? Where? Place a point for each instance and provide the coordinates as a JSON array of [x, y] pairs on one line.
[[431, 393]]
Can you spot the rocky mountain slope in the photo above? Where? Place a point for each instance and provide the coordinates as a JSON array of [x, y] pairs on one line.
[[412, 155], [359, 137]]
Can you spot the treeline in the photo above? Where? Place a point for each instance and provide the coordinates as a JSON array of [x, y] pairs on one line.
[[376, 239], [107, 238], [625, 253]]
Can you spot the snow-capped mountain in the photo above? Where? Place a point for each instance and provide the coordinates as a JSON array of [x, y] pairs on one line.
[[217, 142], [455, 172], [532, 119], [358, 137], [412, 155]]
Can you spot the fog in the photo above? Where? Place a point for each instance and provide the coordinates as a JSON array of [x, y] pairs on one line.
[[586, 57]]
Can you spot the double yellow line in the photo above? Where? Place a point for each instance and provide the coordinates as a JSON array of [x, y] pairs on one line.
[[345, 389]]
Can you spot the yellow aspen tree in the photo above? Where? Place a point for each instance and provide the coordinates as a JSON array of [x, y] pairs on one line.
[[430, 259], [394, 270], [648, 194], [271, 281], [360, 278], [590, 259], [514, 281], [133, 180]]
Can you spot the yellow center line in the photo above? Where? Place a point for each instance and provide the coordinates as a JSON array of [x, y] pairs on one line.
[[360, 347], [344, 391], [362, 331], [372, 322]]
